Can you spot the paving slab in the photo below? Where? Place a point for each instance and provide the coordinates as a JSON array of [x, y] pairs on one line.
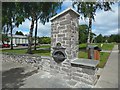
[[109, 75]]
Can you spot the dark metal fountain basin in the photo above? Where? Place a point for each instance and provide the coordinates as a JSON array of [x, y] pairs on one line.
[[59, 54]]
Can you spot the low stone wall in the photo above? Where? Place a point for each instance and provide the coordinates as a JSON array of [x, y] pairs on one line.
[[33, 60], [77, 73]]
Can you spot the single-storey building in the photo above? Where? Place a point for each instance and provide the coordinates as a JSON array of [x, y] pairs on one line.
[[19, 39]]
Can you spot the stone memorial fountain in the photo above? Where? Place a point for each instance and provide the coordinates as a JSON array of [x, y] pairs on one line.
[[64, 48]]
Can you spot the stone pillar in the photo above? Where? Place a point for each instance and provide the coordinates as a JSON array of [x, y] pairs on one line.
[[64, 30]]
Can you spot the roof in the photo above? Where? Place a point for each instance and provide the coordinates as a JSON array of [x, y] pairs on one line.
[[64, 12], [17, 36]]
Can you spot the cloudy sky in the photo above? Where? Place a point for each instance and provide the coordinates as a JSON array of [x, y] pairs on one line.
[[106, 23]]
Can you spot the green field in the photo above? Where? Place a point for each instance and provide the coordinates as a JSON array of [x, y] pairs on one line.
[[103, 57], [23, 51], [44, 46], [106, 46]]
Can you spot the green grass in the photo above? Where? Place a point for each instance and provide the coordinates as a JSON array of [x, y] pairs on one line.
[[106, 46], [82, 46], [82, 54], [42, 52], [46, 46], [16, 51], [103, 57], [23, 51]]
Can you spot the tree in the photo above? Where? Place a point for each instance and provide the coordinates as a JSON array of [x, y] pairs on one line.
[[88, 10], [43, 9], [44, 40], [11, 17], [19, 33], [83, 33], [99, 38], [114, 38], [5, 38], [46, 13]]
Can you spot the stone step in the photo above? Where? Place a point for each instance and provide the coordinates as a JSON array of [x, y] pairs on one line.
[[82, 80], [65, 69], [82, 85], [90, 77], [86, 81], [77, 74], [76, 78], [65, 65]]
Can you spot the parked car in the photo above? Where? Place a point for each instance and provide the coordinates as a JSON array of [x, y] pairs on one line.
[[15, 45], [24, 44], [0, 44], [5, 45]]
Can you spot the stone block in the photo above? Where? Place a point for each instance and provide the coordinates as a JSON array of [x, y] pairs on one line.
[[73, 69], [65, 38], [86, 81], [61, 27], [65, 30], [65, 69], [53, 40], [72, 82], [88, 71], [67, 15], [76, 78], [78, 74], [61, 35], [65, 22], [83, 85], [62, 18]]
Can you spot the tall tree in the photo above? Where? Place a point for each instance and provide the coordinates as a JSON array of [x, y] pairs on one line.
[[19, 33], [5, 38], [83, 33], [11, 17], [35, 10], [99, 38], [88, 10], [48, 10]]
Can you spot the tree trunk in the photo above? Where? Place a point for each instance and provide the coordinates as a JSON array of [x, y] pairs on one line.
[[29, 51], [2, 41], [89, 30], [7, 29], [11, 36], [36, 34]]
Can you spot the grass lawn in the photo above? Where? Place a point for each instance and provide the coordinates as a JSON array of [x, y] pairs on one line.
[[44, 46], [23, 51], [103, 57], [106, 46]]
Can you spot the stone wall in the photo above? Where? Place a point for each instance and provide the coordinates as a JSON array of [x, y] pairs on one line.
[[64, 30]]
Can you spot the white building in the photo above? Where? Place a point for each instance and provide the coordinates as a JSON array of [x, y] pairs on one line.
[[19, 39]]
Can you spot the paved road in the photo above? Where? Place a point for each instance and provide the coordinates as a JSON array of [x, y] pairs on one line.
[[109, 76]]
